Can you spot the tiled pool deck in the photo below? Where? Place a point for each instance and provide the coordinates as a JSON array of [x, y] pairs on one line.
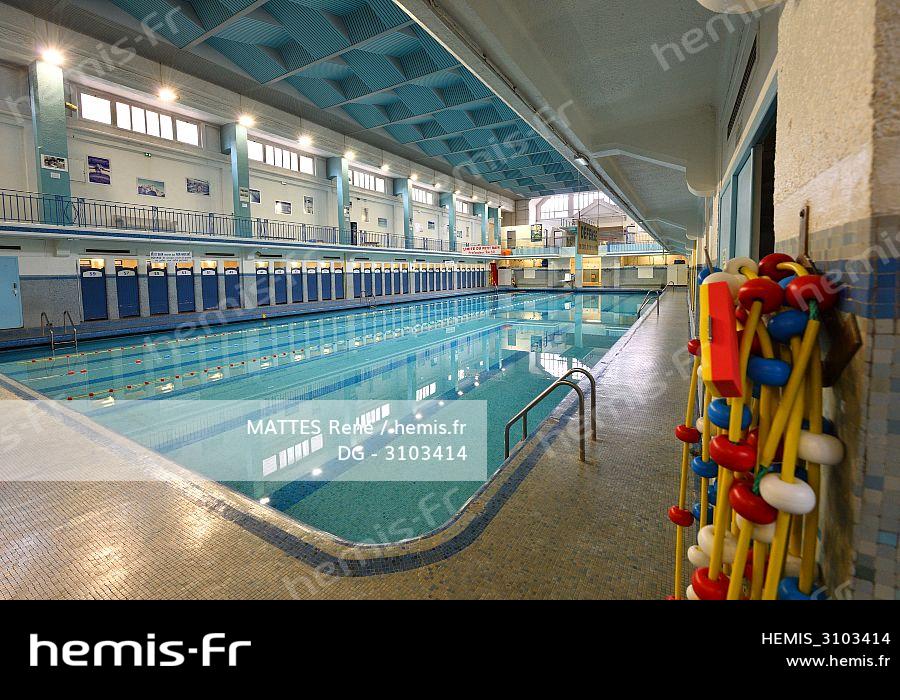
[[547, 527]]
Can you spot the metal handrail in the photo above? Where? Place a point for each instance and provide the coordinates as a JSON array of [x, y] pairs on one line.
[[658, 293], [45, 323], [35, 208], [562, 381]]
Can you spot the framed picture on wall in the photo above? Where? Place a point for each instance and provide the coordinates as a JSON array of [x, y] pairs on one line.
[[98, 170], [255, 196], [195, 186], [308, 205], [151, 188], [55, 163], [282, 207], [431, 226], [382, 223]]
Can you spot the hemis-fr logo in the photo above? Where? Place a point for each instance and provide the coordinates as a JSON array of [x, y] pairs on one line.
[[213, 650]]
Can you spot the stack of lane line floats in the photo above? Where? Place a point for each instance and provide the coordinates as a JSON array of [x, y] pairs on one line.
[[762, 438]]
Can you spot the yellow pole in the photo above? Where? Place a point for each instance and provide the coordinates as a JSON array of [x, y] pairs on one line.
[[704, 455], [760, 550], [783, 522], [740, 560], [813, 471], [682, 491]]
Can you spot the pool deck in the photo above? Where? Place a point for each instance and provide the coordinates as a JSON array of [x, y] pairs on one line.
[[547, 526]]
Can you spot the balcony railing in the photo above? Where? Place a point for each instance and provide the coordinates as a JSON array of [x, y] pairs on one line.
[[79, 212], [649, 247]]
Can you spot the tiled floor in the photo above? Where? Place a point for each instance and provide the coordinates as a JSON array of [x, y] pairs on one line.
[[555, 527]]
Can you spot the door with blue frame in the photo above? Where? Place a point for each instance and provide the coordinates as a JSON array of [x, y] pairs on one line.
[[312, 282], [280, 281], [339, 292], [158, 287], [209, 284], [10, 293], [297, 283], [127, 288], [326, 282], [377, 280], [357, 282], [263, 297], [93, 289], [232, 285], [184, 287]]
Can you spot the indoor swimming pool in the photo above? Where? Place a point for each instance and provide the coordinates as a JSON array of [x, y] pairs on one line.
[[498, 348]]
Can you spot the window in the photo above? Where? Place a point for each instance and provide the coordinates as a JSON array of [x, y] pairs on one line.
[[96, 109], [138, 119], [422, 196], [271, 154], [367, 181], [463, 207]]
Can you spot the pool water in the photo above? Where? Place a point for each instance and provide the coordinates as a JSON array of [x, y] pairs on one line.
[[500, 348]]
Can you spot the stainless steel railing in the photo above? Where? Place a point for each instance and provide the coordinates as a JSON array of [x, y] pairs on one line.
[[562, 381]]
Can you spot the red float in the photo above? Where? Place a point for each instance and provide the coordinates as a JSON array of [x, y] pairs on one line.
[[706, 588], [693, 347], [687, 433], [768, 266], [749, 505], [763, 290], [802, 290], [681, 517], [735, 456]]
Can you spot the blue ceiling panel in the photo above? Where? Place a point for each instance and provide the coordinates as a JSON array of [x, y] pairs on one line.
[[178, 28], [258, 61], [319, 34], [419, 99], [379, 68], [368, 116], [319, 92], [404, 133], [377, 72], [452, 120]]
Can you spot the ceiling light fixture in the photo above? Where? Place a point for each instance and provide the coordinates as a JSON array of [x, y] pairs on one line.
[[53, 56], [349, 155], [246, 121], [305, 141], [167, 94], [580, 159]]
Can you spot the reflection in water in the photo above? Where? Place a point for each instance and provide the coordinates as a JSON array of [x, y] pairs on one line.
[[502, 349]]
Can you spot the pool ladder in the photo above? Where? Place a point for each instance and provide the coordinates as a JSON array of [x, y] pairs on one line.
[[654, 294], [562, 381], [67, 327]]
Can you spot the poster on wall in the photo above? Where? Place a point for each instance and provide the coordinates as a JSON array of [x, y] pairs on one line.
[[537, 233], [282, 207], [174, 256], [55, 163], [255, 197], [195, 186], [308, 205], [98, 170], [151, 188], [382, 223], [244, 194], [431, 226]]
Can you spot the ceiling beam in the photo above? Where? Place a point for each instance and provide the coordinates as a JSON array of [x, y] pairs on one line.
[[231, 19], [336, 54], [382, 91]]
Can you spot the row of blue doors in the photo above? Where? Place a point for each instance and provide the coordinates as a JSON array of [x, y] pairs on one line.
[[94, 294], [318, 285]]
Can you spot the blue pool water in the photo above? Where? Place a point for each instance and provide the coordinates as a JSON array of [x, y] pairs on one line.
[[500, 348]]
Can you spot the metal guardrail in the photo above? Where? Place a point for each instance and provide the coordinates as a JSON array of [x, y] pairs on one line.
[[562, 381], [34, 208]]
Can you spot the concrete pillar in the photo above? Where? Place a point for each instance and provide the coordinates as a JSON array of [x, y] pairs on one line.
[[402, 190], [480, 209], [234, 143], [48, 120], [338, 169], [448, 202], [494, 214], [220, 279], [173, 294], [143, 290], [198, 290], [112, 293]]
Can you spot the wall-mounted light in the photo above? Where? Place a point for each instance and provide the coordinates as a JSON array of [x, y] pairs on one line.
[[167, 94], [54, 57], [349, 155], [385, 167], [246, 121], [414, 177], [305, 141], [580, 159]]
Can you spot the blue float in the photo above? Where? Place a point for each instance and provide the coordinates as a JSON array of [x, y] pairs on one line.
[[827, 426], [711, 494], [705, 470], [696, 511], [786, 325], [768, 371], [783, 283], [706, 272], [789, 589], [720, 414]]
